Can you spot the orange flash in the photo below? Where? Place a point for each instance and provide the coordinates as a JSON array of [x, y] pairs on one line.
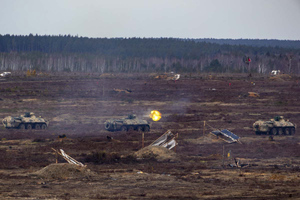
[[155, 115]]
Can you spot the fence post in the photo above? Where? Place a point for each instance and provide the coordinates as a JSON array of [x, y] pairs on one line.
[[56, 157], [176, 137]]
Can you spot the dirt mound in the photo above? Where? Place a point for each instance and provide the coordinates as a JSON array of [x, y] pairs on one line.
[[281, 77], [161, 154], [207, 139], [275, 78], [63, 171], [107, 75], [284, 76]]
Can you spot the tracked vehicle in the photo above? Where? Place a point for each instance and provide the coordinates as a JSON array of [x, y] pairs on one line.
[[130, 123], [26, 121], [276, 126]]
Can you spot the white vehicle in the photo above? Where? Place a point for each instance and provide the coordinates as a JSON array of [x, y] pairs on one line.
[[275, 72], [176, 77], [5, 74]]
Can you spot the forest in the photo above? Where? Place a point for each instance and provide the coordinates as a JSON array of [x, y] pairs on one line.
[[108, 55], [255, 42]]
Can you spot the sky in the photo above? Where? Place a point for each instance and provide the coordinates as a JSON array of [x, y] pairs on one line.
[[221, 19]]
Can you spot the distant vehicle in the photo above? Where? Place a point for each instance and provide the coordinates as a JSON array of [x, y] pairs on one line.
[[5, 74], [276, 126], [275, 72], [129, 123], [26, 121]]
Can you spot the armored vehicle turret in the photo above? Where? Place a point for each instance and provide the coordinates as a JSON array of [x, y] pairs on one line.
[[26, 121], [276, 126], [129, 123]]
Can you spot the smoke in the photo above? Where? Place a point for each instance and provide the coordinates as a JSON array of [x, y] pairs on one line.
[[180, 106]]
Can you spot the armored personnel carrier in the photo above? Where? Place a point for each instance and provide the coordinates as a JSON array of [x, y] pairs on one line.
[[26, 121], [129, 123], [276, 126]]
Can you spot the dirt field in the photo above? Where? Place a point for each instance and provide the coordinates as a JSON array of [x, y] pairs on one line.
[[77, 105]]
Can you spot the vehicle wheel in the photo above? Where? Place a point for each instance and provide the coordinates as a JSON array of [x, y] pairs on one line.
[[147, 129], [43, 126], [280, 131], [287, 131], [29, 126], [107, 126], [37, 127], [139, 128], [124, 128], [22, 126], [273, 131], [292, 131], [131, 128]]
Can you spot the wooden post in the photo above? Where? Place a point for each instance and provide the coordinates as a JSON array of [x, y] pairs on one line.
[[56, 157], [176, 137], [142, 140], [204, 128]]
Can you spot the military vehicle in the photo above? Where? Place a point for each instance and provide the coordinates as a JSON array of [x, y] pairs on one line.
[[129, 123], [276, 126], [26, 121]]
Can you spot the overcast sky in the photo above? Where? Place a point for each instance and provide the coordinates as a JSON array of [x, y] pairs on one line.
[[255, 19]]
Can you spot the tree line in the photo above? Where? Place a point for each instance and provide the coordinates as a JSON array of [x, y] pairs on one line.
[[82, 54], [293, 44]]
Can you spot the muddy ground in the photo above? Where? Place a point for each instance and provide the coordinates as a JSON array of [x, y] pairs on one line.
[[77, 106]]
